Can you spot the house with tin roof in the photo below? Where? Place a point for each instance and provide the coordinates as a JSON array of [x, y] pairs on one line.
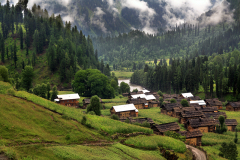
[[123, 111], [68, 99]]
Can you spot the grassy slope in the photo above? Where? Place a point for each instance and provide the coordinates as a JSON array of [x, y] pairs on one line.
[[123, 75]]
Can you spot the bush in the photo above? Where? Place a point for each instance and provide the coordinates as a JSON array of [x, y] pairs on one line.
[[160, 93], [135, 90], [11, 92], [173, 101], [67, 137], [91, 113], [222, 128], [184, 103], [236, 136], [146, 124], [84, 120], [10, 154], [114, 117], [127, 121], [175, 135], [228, 151], [94, 105]]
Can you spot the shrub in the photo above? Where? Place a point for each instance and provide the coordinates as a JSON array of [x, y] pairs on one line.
[[127, 121], [94, 105], [84, 120], [11, 92], [175, 135], [184, 103], [114, 117], [228, 151], [222, 128], [135, 90], [160, 93], [91, 113], [146, 124], [236, 136], [161, 101], [10, 154], [120, 96], [67, 137], [173, 101]]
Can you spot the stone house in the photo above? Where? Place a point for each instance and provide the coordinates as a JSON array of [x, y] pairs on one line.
[[193, 137], [207, 109], [214, 103], [203, 124], [233, 106], [161, 128], [177, 111], [123, 111]]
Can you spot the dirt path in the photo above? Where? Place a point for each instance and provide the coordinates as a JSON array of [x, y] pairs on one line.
[[200, 155]]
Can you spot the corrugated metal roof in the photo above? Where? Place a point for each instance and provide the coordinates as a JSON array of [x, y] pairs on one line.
[[56, 100], [68, 96], [145, 91], [186, 95], [200, 102], [125, 107], [147, 97]]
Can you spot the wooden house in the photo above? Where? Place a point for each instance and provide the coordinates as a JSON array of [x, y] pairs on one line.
[[161, 128], [207, 109], [199, 102], [168, 108], [170, 96], [125, 94], [186, 115], [177, 111], [214, 103], [233, 106], [195, 98], [86, 102], [193, 137], [230, 123], [203, 124], [127, 110], [153, 104], [215, 115], [68, 99], [139, 103]]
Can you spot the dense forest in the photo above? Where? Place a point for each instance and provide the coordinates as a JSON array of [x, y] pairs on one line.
[[185, 40]]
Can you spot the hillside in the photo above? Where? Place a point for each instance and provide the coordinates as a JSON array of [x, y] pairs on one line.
[[30, 131]]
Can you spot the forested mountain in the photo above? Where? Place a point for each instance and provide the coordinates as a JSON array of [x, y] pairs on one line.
[[186, 40], [56, 51]]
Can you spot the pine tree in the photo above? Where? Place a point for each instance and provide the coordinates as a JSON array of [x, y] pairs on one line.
[[21, 37], [15, 53]]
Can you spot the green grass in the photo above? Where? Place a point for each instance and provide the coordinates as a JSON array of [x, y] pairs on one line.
[[233, 115], [65, 92], [123, 75], [153, 142], [98, 122], [156, 115]]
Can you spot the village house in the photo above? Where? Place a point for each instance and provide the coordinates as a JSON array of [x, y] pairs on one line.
[[152, 104], [195, 98], [122, 111], [233, 106], [207, 109], [215, 115], [203, 124], [161, 128], [86, 102], [186, 95], [230, 123], [214, 103], [139, 103], [168, 108], [170, 96], [177, 111], [193, 137], [149, 98], [186, 115], [68, 99]]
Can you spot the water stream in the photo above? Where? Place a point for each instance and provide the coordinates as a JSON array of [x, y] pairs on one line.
[[132, 86]]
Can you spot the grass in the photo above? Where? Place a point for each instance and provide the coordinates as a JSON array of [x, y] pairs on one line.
[[153, 142], [233, 115], [98, 122], [123, 75], [156, 115], [65, 92]]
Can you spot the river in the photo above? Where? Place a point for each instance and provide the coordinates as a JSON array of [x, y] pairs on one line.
[[132, 86]]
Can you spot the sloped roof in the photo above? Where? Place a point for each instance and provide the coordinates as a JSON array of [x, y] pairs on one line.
[[200, 102], [68, 96], [125, 107], [201, 122], [215, 115], [229, 122], [235, 104], [207, 109], [147, 97], [137, 101], [180, 109], [135, 93], [194, 98], [150, 97], [167, 127], [170, 106], [189, 114], [170, 96], [145, 91], [191, 134], [213, 102], [186, 95]]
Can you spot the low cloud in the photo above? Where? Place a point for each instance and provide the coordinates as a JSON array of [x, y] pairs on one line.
[[98, 19]]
